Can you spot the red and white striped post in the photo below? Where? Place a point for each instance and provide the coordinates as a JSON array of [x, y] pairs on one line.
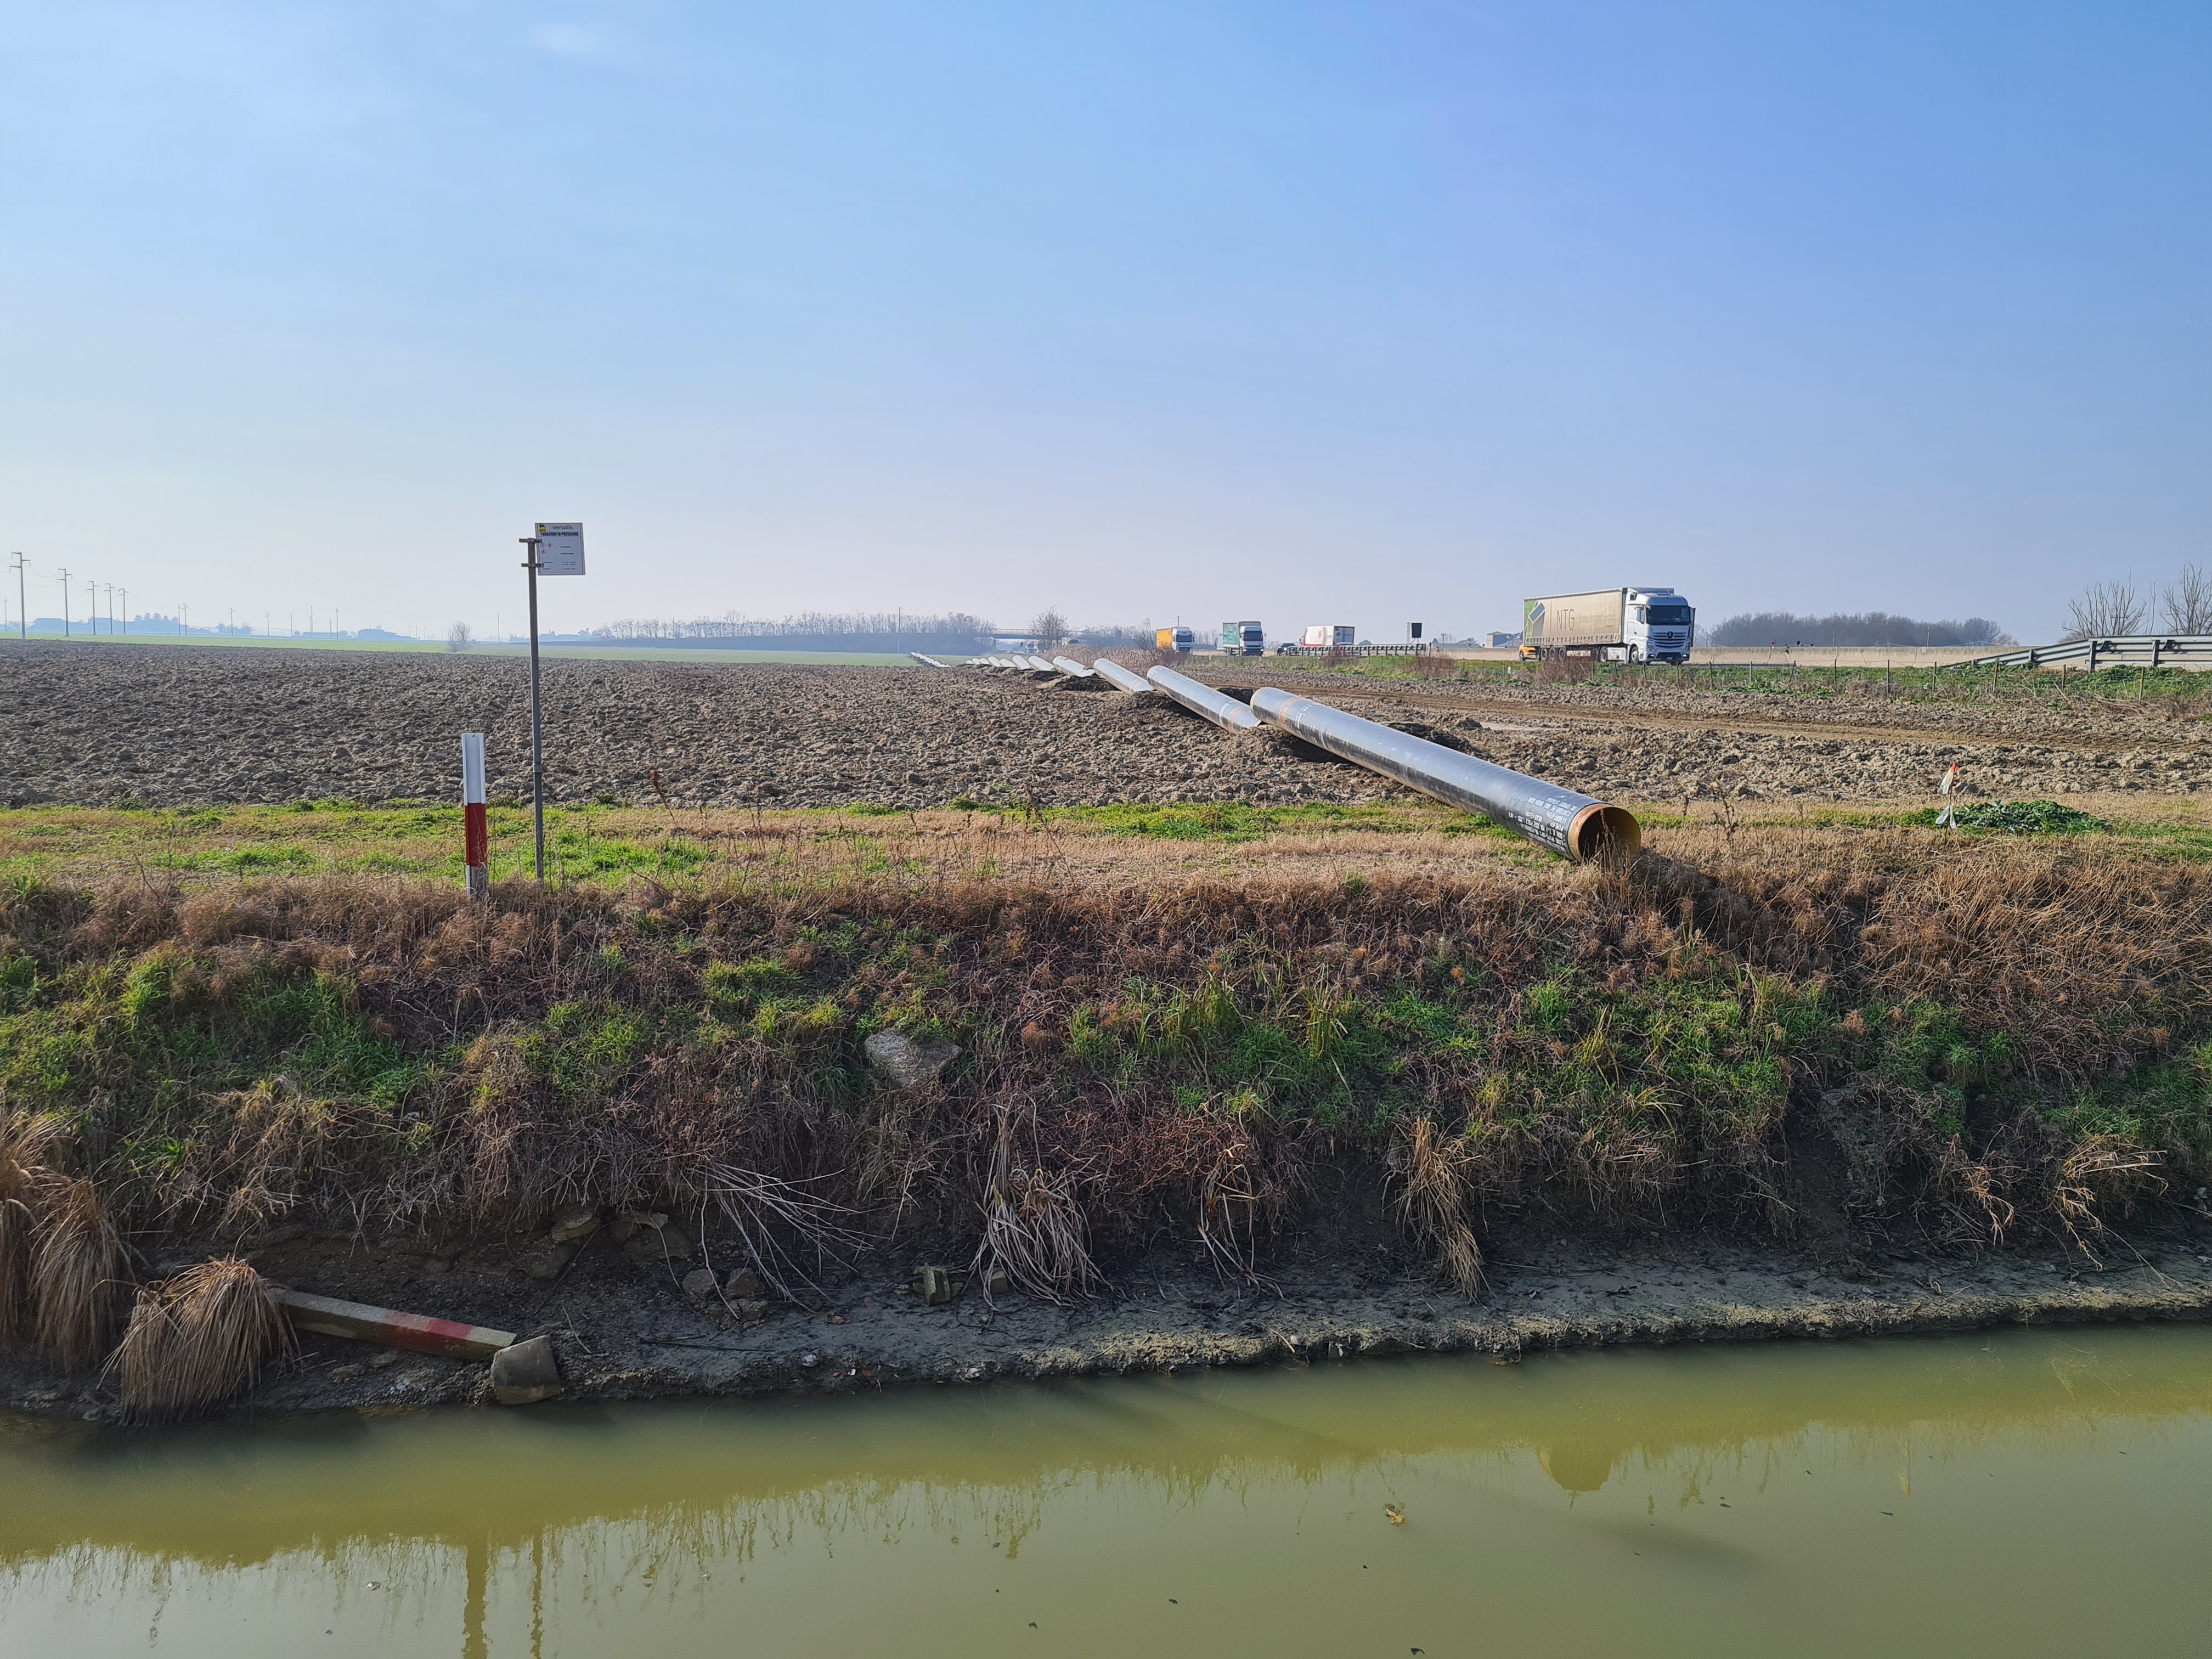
[[475, 833]]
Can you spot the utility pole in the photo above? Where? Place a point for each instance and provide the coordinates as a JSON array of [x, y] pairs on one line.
[[537, 728], [126, 609], [557, 549], [92, 605], [64, 580], [22, 605]]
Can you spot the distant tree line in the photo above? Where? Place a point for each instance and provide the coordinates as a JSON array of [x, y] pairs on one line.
[[1853, 628], [813, 630]]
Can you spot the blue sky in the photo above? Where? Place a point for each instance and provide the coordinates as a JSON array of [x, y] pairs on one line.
[[1298, 311]]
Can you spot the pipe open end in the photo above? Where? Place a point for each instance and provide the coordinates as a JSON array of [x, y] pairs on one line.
[[1606, 834]]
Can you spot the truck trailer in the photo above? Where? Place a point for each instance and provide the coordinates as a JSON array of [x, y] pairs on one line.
[[1330, 634], [1244, 639], [1612, 624], [1174, 639]]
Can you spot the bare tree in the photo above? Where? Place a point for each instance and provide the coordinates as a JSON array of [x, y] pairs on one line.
[[1049, 627], [458, 637], [2104, 610], [2187, 601]]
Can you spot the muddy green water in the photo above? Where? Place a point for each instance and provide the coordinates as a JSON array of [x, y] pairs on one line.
[[2029, 1492]]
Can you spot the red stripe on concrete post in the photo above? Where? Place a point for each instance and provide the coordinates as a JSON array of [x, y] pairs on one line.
[[476, 833], [364, 1324]]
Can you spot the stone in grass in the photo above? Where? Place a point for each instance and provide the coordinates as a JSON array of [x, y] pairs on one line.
[[700, 1284], [630, 1223], [910, 1065], [745, 1286], [544, 1263], [934, 1285], [574, 1222], [524, 1373]]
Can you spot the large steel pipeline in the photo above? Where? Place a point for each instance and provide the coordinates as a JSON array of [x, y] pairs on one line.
[[1040, 665], [1072, 668], [1120, 678], [1575, 826], [1204, 700]]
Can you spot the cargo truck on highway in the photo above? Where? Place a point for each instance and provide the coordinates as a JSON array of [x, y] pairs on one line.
[[1330, 634], [1613, 624], [1244, 639], [1174, 639]]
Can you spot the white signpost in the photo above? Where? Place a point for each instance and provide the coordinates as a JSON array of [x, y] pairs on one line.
[[558, 550]]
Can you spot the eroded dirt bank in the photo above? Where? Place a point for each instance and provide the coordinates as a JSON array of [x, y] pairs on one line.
[[622, 1332]]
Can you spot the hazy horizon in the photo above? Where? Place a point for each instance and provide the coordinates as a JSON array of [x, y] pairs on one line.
[[1364, 313]]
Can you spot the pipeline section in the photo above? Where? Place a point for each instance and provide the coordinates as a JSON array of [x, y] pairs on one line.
[[1072, 669], [1204, 700], [1577, 827], [1120, 678]]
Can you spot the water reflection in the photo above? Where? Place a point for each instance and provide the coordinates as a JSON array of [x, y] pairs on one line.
[[1537, 1496]]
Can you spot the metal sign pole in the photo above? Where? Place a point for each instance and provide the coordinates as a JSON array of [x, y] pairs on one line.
[[537, 728]]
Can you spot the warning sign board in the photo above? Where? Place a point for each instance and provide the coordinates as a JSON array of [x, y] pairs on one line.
[[559, 549]]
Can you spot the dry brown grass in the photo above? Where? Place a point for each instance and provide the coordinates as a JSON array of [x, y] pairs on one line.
[[1433, 1201], [78, 1277], [1033, 1226], [195, 1340], [2087, 957], [25, 1184]]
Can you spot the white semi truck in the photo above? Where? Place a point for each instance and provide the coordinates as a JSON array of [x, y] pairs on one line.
[[1613, 624]]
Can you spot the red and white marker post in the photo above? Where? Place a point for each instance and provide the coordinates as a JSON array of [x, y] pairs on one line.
[[476, 833]]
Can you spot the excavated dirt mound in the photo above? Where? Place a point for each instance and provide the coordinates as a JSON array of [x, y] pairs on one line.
[[177, 725]]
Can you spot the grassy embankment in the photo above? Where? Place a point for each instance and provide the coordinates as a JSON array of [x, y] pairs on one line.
[[1168, 1019]]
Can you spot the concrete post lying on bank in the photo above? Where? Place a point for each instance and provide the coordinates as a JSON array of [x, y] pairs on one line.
[[1223, 711], [364, 1324], [1575, 826], [476, 832]]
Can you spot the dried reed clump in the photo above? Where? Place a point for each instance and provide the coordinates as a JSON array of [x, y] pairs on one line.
[[195, 1340], [1033, 1227], [773, 1217], [25, 1184], [77, 1277], [1432, 1204]]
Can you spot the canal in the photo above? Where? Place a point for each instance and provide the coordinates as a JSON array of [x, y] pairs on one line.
[[2023, 1492]]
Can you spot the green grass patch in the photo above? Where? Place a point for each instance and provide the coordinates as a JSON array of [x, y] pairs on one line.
[[2022, 817]]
